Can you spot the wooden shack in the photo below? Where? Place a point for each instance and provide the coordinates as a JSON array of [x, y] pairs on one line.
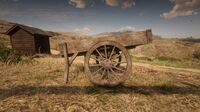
[[28, 40]]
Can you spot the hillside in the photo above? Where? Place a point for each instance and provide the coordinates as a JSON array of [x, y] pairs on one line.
[[114, 34], [173, 48], [61, 37], [68, 36], [5, 26]]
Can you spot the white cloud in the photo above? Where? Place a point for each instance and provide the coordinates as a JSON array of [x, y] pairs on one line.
[[78, 3], [182, 8], [126, 28], [112, 3], [128, 3], [83, 30], [123, 3]]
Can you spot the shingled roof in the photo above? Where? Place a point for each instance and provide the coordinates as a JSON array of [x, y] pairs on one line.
[[31, 30]]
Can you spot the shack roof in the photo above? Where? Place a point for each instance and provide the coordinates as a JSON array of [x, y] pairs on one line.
[[31, 30]]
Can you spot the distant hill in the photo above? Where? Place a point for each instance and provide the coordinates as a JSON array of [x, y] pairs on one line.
[[195, 40], [5, 26], [174, 48], [68, 36], [119, 34], [65, 37], [112, 34]]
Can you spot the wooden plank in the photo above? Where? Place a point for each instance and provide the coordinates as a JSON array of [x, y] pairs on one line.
[[73, 58], [23, 42], [66, 74], [130, 39]]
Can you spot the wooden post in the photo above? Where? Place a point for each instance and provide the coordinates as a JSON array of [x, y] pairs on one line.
[[149, 36], [85, 64], [65, 51]]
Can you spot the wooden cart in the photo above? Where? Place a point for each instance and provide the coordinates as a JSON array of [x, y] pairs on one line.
[[107, 60]]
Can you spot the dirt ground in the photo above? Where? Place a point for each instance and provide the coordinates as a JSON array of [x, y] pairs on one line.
[[39, 87]]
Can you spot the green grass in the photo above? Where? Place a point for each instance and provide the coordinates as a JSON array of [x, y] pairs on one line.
[[169, 61], [8, 55]]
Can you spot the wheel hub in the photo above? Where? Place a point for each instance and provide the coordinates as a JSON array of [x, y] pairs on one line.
[[107, 63]]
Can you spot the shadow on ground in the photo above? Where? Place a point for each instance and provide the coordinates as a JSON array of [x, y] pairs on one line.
[[74, 90]]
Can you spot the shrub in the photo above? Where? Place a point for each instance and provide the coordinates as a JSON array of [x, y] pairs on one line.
[[196, 54], [8, 55]]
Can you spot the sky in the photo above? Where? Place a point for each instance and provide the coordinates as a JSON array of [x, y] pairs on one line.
[[166, 18]]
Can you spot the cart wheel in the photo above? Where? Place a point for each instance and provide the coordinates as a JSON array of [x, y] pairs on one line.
[[119, 59], [114, 64]]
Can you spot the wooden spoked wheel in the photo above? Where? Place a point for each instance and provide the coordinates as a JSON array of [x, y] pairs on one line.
[[108, 64], [118, 59]]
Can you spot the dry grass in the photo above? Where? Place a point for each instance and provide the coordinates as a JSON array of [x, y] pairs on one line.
[[40, 87], [167, 48], [168, 61], [4, 39]]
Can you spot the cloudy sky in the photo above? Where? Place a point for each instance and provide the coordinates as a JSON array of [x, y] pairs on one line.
[[168, 18]]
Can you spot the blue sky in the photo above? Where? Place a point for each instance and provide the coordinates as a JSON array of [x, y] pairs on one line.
[[97, 16]]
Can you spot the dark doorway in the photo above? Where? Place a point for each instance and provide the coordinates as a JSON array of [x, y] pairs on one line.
[[42, 45]]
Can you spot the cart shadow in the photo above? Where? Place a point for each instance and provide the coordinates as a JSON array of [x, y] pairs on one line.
[[80, 90]]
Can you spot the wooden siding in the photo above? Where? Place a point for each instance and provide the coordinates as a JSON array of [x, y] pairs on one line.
[[23, 42]]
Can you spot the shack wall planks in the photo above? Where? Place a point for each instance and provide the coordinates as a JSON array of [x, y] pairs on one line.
[[23, 42]]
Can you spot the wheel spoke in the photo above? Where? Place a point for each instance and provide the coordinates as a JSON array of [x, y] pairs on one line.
[[95, 59], [117, 56], [103, 74], [97, 65], [111, 54], [113, 71], [107, 73], [119, 62], [106, 54], [117, 74], [98, 70], [99, 53], [103, 71], [118, 68]]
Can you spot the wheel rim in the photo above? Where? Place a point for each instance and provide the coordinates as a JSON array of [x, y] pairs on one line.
[[114, 64]]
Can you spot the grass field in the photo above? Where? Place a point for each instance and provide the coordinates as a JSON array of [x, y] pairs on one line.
[[39, 86], [165, 78], [167, 61]]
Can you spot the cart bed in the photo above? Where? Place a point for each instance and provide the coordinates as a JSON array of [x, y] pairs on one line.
[[130, 40]]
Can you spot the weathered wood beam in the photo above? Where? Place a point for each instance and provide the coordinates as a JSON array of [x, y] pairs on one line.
[[73, 58], [66, 73]]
